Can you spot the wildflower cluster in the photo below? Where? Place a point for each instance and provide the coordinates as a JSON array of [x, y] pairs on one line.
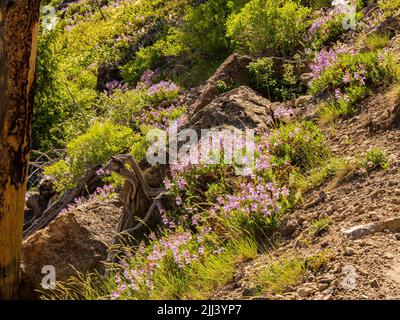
[[256, 199], [162, 117], [173, 251]]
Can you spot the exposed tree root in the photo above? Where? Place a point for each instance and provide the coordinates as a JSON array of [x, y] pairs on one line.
[[137, 198]]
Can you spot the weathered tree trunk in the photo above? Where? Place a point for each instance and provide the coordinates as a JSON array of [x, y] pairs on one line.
[[18, 39]]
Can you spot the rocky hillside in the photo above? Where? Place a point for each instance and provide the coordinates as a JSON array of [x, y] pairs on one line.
[[314, 216]]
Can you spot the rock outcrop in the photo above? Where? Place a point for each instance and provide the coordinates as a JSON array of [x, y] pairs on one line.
[[241, 108], [77, 239], [232, 71]]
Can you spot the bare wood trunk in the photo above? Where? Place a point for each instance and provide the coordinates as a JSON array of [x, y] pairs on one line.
[[18, 39]]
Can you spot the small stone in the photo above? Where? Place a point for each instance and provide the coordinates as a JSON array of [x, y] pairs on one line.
[[307, 290], [397, 236], [350, 252], [289, 227], [388, 256], [247, 292], [374, 283], [324, 244], [360, 231], [327, 279], [395, 201], [323, 286]]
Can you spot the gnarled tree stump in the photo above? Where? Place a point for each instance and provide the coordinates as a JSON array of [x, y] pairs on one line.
[[140, 203]]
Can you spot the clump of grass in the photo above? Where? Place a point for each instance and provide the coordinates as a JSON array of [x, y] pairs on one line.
[[394, 94], [319, 227], [375, 158], [218, 269], [340, 169], [376, 41], [328, 113], [279, 275]]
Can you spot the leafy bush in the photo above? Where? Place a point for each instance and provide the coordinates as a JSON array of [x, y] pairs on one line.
[[274, 26], [95, 147], [61, 175], [325, 29], [389, 7], [277, 84], [122, 106]]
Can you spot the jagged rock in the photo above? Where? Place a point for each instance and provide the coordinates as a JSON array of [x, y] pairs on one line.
[[350, 252], [323, 286], [241, 108], [288, 228], [79, 238], [374, 283], [314, 202], [327, 279], [391, 224], [360, 231], [307, 289], [232, 71]]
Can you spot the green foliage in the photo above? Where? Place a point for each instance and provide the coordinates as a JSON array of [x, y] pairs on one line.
[[340, 169], [279, 275], [389, 7], [318, 261], [320, 227], [350, 80], [47, 113], [95, 147], [375, 158], [278, 84], [61, 174], [122, 106], [328, 32], [376, 41], [203, 28], [301, 145], [274, 26], [316, 4]]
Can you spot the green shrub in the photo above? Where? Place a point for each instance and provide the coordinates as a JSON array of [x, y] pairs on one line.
[[122, 106], [279, 85], [319, 227], [351, 79], [274, 26], [375, 158], [96, 146], [61, 175], [48, 113], [389, 7]]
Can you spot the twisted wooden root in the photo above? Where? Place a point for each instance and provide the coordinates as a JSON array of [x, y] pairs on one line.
[[136, 196]]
